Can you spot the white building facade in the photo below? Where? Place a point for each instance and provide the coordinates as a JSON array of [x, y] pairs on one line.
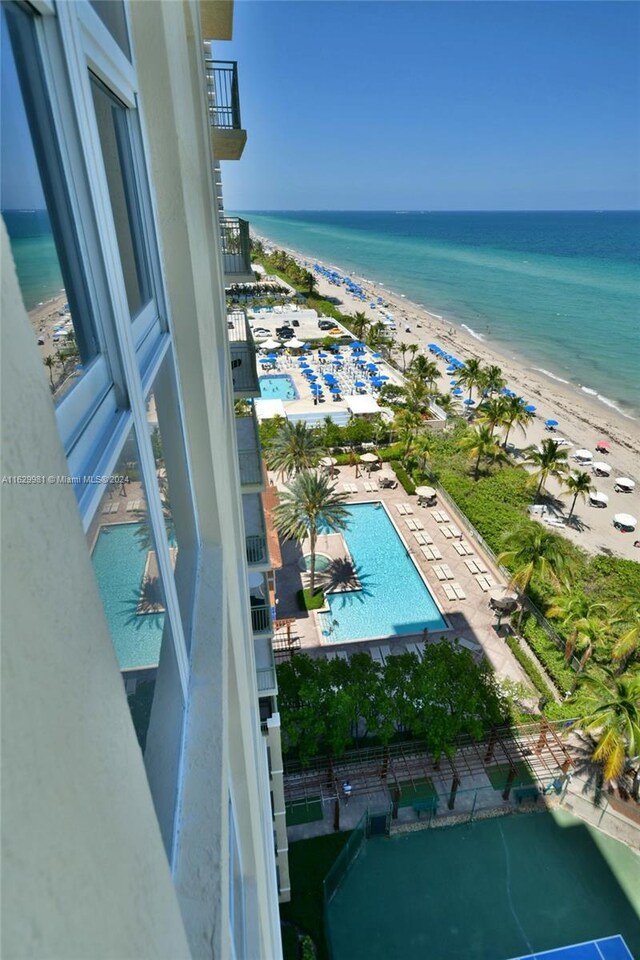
[[136, 585]]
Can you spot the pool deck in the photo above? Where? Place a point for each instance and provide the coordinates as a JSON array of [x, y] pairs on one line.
[[471, 618]]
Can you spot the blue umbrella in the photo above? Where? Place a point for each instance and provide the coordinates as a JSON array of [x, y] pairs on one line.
[[337, 363], [451, 370], [312, 377], [321, 354], [357, 345], [551, 423], [433, 347], [306, 346], [376, 355], [382, 376], [334, 390], [372, 367], [530, 408], [458, 392], [469, 403], [453, 383], [360, 385]]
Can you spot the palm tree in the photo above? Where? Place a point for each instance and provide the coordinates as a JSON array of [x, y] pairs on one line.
[[417, 395], [446, 403], [470, 375], [294, 448], [359, 324], [404, 349], [550, 460], [425, 369], [610, 708], [515, 413], [579, 484], [406, 424], [627, 615], [491, 379], [50, 363], [310, 502], [481, 445], [530, 551], [491, 412]]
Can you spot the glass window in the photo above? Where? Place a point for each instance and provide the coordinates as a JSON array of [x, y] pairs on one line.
[[112, 14], [111, 116], [36, 211]]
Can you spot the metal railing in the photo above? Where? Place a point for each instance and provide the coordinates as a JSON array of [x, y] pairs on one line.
[[261, 619], [266, 677], [236, 246], [223, 94], [256, 547], [250, 467]]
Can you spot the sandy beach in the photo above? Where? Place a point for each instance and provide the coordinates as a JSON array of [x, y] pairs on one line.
[[45, 318], [583, 420]]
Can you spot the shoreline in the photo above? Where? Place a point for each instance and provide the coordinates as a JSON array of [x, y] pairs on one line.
[[551, 390]]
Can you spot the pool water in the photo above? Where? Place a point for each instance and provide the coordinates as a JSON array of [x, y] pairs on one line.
[[278, 387], [322, 562], [119, 560], [394, 599]]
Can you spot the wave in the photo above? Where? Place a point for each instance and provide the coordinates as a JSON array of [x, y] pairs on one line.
[[472, 332], [551, 376], [611, 403]]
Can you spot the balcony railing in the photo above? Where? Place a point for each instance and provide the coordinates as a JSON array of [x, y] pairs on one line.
[[236, 248], [250, 468], [266, 681], [243, 355], [256, 546], [223, 94], [260, 618]]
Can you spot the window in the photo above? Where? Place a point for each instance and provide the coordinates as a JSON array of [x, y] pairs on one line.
[[112, 14], [111, 116]]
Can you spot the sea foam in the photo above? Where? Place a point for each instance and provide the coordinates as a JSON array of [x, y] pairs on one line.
[[552, 376], [472, 332]]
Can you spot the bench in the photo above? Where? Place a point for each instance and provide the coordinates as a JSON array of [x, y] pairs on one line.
[[526, 793], [426, 806]]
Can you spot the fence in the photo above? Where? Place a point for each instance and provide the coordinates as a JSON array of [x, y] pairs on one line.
[[223, 94], [345, 859]]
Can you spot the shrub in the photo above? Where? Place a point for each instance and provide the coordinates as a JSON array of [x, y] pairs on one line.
[[405, 479], [309, 601], [528, 666], [549, 655]]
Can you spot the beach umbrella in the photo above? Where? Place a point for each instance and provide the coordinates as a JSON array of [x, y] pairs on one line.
[[530, 408], [453, 383], [504, 598], [337, 363], [450, 370], [334, 390], [583, 455], [382, 376], [322, 354], [295, 344], [427, 492], [624, 521], [601, 469], [468, 402], [624, 484], [603, 446], [306, 346], [599, 498], [271, 344], [357, 345], [376, 355], [312, 377], [360, 385], [551, 423], [458, 392], [372, 367], [369, 457]]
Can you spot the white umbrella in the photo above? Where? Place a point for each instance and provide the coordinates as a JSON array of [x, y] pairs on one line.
[[624, 483], [602, 468], [295, 344], [426, 492], [625, 520], [583, 455], [270, 344], [599, 498], [369, 457], [328, 462]]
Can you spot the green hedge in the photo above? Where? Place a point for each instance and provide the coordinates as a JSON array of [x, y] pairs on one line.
[[549, 655], [405, 479], [528, 666], [309, 601]]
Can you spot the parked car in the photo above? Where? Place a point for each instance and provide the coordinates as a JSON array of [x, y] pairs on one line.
[[295, 323], [325, 324]]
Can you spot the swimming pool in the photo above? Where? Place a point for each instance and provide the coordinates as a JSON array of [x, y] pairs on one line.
[[278, 386], [119, 560], [394, 599]]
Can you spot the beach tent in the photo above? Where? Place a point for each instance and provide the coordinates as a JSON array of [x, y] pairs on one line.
[[362, 404], [270, 344], [583, 456], [267, 409], [624, 521], [598, 499], [624, 485], [601, 469]]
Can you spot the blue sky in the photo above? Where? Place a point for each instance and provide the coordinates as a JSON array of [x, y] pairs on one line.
[[436, 105]]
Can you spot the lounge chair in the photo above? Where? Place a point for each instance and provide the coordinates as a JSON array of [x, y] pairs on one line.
[[460, 594], [436, 516], [342, 655], [471, 566], [469, 644], [331, 654], [385, 652], [444, 517], [447, 571], [369, 487], [446, 532], [420, 538], [439, 572], [459, 549], [346, 487], [419, 525], [454, 530], [482, 567], [436, 553], [427, 552], [410, 523], [408, 508], [376, 656], [481, 583], [414, 648], [449, 592], [402, 510]]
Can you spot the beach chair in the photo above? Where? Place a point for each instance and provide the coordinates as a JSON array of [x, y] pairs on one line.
[[420, 539], [447, 571], [342, 655], [369, 487], [346, 487], [354, 487], [419, 525], [449, 592], [402, 510], [467, 547], [460, 594], [446, 533], [385, 652], [331, 654], [410, 523], [436, 553], [376, 656], [408, 508], [444, 518], [482, 584], [482, 567], [490, 582], [436, 516], [439, 572], [454, 530], [471, 566], [426, 553], [459, 549], [469, 644], [414, 648]]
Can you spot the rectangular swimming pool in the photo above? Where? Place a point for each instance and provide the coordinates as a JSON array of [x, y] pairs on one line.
[[278, 386], [394, 599]]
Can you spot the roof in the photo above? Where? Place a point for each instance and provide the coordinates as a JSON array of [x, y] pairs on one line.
[[361, 403], [267, 409]]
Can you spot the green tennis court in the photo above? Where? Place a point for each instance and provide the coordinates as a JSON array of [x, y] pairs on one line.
[[488, 890]]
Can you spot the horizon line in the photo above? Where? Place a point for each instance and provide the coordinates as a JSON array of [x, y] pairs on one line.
[[435, 210]]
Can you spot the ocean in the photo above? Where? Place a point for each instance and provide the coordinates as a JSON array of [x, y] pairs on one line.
[[35, 255], [560, 290]]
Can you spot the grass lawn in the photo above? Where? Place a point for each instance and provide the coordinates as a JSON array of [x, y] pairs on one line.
[[298, 813], [498, 776], [309, 863], [415, 790], [309, 601]]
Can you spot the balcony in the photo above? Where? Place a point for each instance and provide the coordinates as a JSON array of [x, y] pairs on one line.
[[236, 251], [243, 356], [249, 454], [265, 668], [223, 97], [255, 533]]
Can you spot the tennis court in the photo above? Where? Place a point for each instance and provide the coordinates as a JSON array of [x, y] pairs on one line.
[[490, 890]]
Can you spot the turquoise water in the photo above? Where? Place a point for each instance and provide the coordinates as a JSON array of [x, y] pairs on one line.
[[118, 561], [278, 387], [394, 600], [35, 255], [560, 289]]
